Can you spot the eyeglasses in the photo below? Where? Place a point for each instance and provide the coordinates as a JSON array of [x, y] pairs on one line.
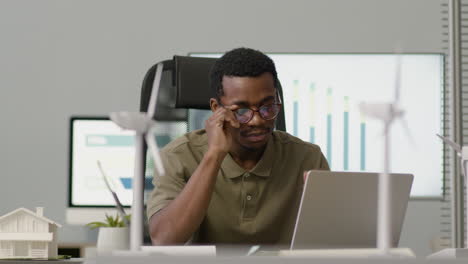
[[267, 112]]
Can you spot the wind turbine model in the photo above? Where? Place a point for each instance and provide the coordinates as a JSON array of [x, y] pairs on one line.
[[462, 153], [388, 113], [144, 126]]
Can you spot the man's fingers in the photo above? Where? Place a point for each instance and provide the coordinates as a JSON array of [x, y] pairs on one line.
[[230, 117], [222, 115], [215, 116]]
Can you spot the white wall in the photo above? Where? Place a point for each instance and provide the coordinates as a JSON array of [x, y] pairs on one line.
[[63, 57]]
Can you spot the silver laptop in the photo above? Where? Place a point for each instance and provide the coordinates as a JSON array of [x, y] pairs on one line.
[[339, 210]]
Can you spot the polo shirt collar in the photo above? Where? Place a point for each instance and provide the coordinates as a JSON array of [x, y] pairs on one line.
[[263, 167]]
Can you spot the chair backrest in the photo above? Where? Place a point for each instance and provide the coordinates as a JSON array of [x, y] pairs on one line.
[[185, 84]]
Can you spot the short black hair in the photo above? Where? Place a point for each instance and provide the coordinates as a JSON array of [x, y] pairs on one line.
[[241, 62]]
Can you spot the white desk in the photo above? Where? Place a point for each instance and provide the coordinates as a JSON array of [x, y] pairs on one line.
[[257, 260]]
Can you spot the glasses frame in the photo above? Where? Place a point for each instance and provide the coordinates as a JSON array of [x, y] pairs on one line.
[[277, 102]]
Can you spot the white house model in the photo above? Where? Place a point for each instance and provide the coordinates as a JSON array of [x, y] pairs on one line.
[[27, 234]]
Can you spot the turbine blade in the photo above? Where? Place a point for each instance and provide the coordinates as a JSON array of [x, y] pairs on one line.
[[105, 177], [407, 131], [118, 204], [452, 144], [155, 91], [150, 140], [397, 77]]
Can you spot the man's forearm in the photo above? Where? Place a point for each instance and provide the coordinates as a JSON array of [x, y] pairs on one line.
[[177, 222]]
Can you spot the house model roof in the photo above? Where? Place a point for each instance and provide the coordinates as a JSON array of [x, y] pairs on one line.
[[21, 209]]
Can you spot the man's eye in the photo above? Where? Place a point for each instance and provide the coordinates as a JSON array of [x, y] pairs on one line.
[[242, 111], [267, 107]]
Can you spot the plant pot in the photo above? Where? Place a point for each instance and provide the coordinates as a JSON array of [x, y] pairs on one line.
[[112, 238]]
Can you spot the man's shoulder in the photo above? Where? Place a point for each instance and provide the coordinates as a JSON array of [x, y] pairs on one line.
[[293, 143], [193, 139]]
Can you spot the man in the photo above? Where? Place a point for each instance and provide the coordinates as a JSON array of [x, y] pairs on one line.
[[237, 180]]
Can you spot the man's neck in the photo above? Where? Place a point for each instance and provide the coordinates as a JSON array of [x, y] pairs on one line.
[[247, 158]]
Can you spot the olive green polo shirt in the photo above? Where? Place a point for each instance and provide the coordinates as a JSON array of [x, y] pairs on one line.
[[252, 207]]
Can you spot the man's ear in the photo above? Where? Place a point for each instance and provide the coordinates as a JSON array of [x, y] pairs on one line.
[[213, 104]]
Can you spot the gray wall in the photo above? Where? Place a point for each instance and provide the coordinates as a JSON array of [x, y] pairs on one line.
[[59, 58]]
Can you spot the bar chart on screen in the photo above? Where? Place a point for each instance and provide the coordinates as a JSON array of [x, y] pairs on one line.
[[321, 118]]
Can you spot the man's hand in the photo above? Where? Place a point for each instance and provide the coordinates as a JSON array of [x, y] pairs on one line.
[[219, 139], [177, 222]]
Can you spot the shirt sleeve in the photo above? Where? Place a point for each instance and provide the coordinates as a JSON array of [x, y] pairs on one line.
[[315, 160], [167, 187], [323, 164]]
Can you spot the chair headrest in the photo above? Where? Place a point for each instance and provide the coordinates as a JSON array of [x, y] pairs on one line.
[[192, 79]]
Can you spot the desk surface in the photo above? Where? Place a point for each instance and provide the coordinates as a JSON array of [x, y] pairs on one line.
[[232, 260], [260, 260]]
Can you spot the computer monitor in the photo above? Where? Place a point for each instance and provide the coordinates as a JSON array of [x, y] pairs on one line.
[[322, 93], [95, 139]]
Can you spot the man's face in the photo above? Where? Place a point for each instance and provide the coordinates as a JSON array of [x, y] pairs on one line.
[[250, 92]]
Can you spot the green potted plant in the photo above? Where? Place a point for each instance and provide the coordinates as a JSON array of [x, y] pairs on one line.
[[111, 221], [113, 234]]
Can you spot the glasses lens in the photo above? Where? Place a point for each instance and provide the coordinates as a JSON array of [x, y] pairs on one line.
[[269, 111], [243, 115]]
